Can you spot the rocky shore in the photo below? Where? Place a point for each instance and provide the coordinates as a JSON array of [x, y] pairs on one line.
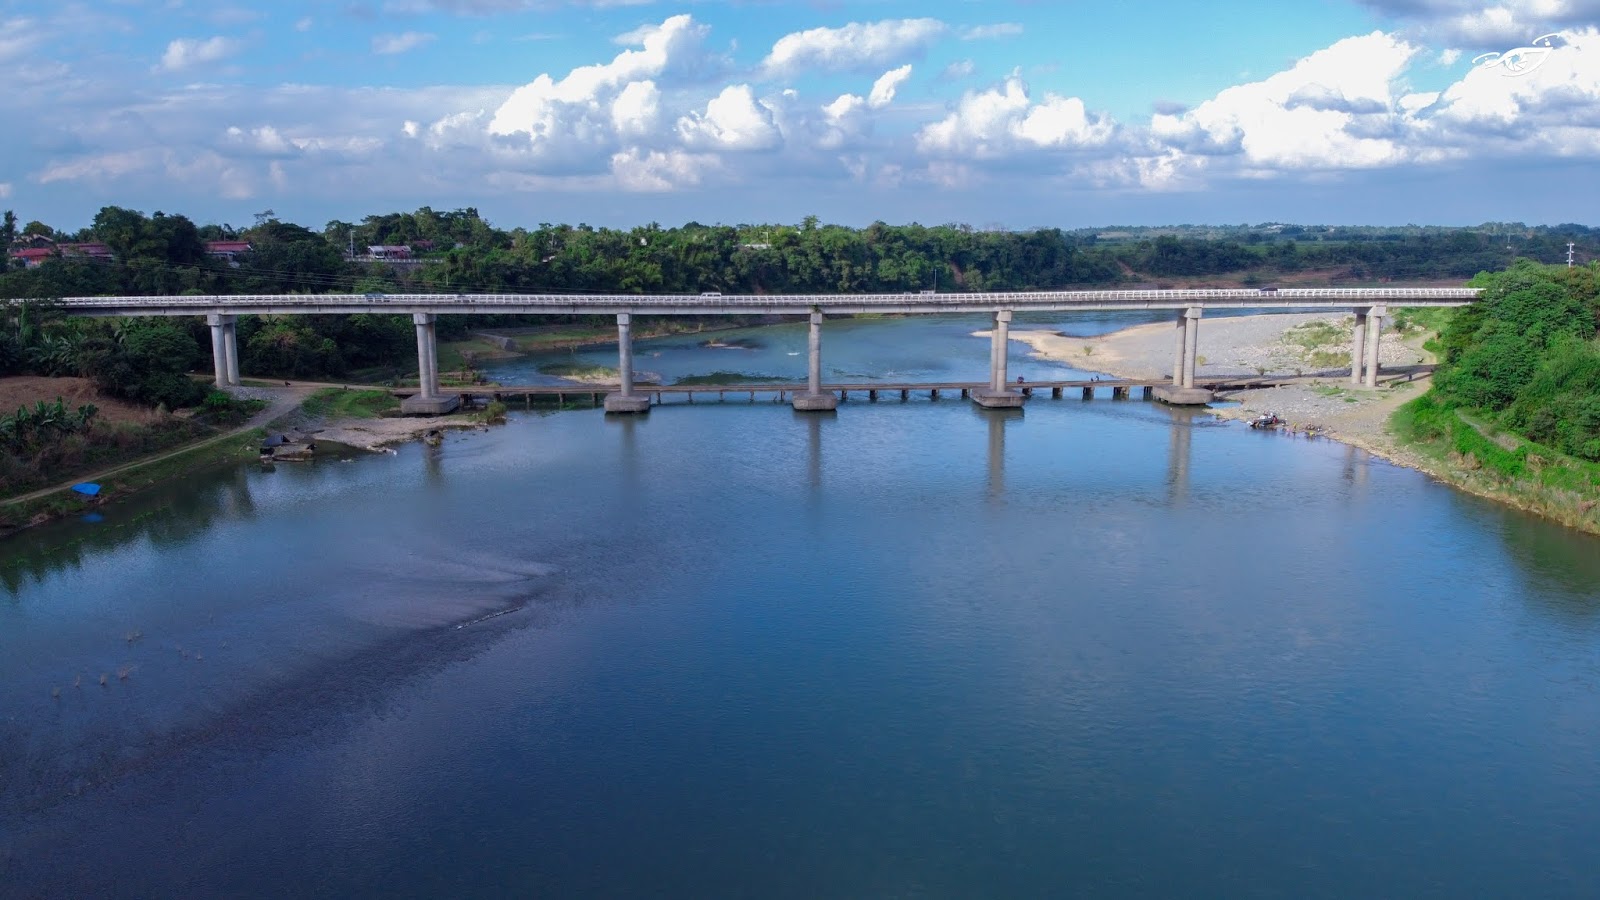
[[1312, 346]]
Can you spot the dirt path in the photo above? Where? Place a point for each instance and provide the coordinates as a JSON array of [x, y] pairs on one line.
[[281, 402]]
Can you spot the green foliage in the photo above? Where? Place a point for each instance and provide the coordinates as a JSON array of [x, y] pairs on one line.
[[341, 403], [1526, 355], [29, 430]]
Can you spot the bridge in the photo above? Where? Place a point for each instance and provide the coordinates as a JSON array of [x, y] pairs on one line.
[[1370, 306]]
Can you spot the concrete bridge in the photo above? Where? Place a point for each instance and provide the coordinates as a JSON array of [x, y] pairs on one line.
[[1370, 306]]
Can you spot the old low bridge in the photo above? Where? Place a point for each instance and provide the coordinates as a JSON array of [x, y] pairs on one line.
[[1370, 306]]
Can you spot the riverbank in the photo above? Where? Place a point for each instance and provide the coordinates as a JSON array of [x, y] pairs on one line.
[[1317, 346]]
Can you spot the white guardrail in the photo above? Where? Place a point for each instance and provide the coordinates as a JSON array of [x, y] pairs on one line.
[[714, 302]]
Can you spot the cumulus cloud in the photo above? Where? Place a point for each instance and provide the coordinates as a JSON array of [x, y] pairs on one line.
[[185, 53], [855, 46], [1003, 120], [1306, 116], [883, 90], [389, 44], [733, 120], [1495, 26], [579, 105], [655, 171]]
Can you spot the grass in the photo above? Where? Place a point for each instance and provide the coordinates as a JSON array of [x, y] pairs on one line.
[[1470, 451], [342, 403], [241, 447]]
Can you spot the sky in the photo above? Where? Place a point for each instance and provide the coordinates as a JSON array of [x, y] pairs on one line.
[[999, 114]]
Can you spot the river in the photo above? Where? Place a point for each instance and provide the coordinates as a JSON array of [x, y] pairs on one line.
[[1098, 648]]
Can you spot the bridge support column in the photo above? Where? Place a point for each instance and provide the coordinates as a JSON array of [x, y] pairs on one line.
[[1375, 318], [815, 399], [1183, 391], [1358, 347], [427, 401], [1180, 340], [230, 347], [997, 396], [219, 347], [1191, 343], [625, 400]]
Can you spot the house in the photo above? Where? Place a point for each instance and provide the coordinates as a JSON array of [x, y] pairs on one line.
[[92, 250], [388, 251], [33, 256], [227, 249]]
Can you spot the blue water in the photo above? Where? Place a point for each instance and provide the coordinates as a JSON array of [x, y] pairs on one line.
[[907, 649]]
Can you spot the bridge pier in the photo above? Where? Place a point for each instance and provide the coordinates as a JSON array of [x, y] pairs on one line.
[[997, 396], [224, 349], [1358, 348], [428, 401], [625, 400], [815, 399], [1375, 317], [1183, 391]]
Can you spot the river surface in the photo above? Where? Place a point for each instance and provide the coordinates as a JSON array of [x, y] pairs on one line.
[[908, 649]]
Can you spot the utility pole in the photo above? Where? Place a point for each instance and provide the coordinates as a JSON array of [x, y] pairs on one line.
[[1570, 245]]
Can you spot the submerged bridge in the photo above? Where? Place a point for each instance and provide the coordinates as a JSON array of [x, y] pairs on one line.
[[1370, 306]]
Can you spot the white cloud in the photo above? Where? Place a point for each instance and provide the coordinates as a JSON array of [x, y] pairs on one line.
[[1497, 26], [883, 90], [17, 38], [304, 24], [388, 44], [548, 110], [185, 53], [636, 170], [855, 46], [5, 190], [637, 109], [733, 120], [1327, 111], [1449, 56], [958, 70], [1000, 121], [985, 32]]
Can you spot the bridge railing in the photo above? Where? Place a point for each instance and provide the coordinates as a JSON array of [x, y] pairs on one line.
[[709, 301]]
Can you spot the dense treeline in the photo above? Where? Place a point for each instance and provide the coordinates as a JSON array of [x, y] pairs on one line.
[[459, 251], [1527, 356]]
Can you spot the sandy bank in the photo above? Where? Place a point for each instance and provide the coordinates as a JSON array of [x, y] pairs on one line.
[[1314, 345]]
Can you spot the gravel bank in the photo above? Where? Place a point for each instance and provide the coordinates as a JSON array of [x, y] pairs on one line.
[[1313, 345]]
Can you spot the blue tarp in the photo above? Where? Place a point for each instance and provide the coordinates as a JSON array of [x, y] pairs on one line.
[[88, 489]]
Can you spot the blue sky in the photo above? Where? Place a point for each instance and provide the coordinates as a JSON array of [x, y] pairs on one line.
[[619, 112]]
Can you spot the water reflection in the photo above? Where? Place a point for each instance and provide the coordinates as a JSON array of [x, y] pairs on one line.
[[1178, 452], [998, 420]]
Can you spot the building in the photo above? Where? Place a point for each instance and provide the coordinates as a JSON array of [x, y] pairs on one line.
[[227, 250]]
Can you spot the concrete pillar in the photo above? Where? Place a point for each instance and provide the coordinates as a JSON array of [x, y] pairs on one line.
[[1180, 341], [1375, 319], [230, 348], [1191, 343], [625, 353], [219, 352], [999, 350], [427, 378], [815, 399], [814, 355], [1358, 347], [625, 400]]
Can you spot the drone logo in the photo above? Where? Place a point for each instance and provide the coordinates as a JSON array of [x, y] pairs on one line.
[[1519, 61]]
